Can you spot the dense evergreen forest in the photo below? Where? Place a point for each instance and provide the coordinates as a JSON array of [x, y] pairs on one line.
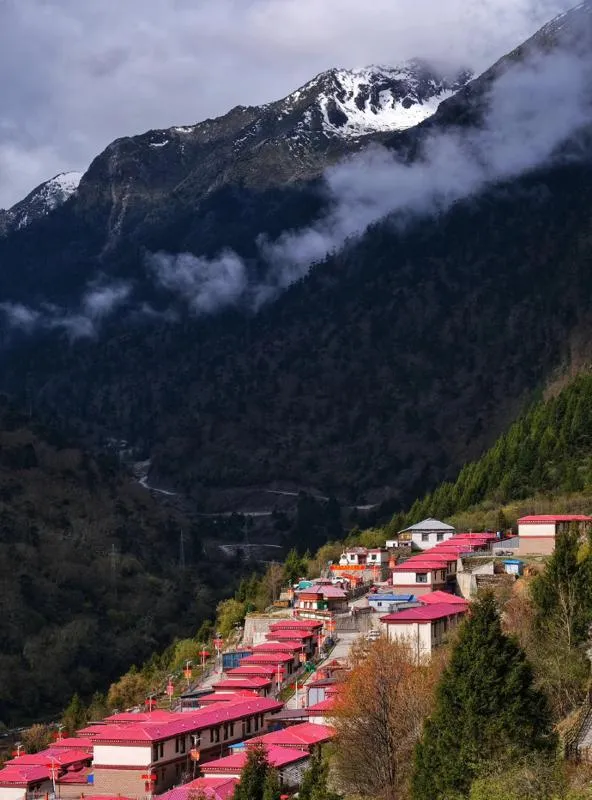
[[547, 450]]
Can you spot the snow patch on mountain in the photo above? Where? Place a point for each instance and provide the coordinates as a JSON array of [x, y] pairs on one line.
[[57, 190], [42, 200], [353, 103]]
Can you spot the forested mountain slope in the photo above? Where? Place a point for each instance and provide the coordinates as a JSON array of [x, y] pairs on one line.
[[90, 579], [547, 450]]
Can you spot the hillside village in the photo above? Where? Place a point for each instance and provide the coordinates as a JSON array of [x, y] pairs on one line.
[[279, 685]]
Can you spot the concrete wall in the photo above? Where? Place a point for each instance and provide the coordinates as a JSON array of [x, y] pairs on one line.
[[12, 793], [417, 635], [256, 628], [116, 755], [72, 791], [127, 782], [537, 538], [466, 584], [546, 529], [531, 545]]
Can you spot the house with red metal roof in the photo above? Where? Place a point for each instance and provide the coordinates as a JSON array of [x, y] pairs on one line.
[[305, 736], [443, 597], [237, 696], [19, 783], [419, 575], [295, 624], [73, 743], [290, 763], [67, 768], [276, 660], [319, 602], [148, 757], [252, 671], [301, 633], [209, 788], [537, 532], [424, 628], [255, 684], [276, 647]]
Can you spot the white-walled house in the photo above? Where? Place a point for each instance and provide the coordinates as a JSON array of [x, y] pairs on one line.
[[377, 557], [126, 752], [18, 783], [419, 576], [427, 533], [290, 763], [537, 533], [425, 628]]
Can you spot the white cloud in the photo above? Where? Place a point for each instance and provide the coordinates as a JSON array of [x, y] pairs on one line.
[[96, 305], [76, 75]]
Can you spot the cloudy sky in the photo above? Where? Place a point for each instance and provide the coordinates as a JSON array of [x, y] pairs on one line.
[[75, 74]]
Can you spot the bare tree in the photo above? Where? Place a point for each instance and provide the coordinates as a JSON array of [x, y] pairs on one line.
[[379, 717]]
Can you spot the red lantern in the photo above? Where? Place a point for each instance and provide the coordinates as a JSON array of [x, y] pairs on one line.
[[194, 754], [302, 658], [187, 672], [218, 643]]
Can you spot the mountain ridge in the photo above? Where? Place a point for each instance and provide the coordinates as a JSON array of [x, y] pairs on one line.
[[323, 388]]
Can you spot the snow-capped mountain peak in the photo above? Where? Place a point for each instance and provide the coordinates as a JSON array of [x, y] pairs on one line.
[[43, 199], [358, 102]]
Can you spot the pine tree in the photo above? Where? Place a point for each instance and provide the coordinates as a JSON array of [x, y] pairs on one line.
[[98, 708], [271, 787], [75, 716], [314, 785], [253, 774], [563, 593], [294, 567], [486, 709]]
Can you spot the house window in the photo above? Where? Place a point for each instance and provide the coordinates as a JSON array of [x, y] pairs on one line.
[[232, 728], [440, 537], [425, 537], [421, 577], [248, 724], [214, 735], [157, 751]]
